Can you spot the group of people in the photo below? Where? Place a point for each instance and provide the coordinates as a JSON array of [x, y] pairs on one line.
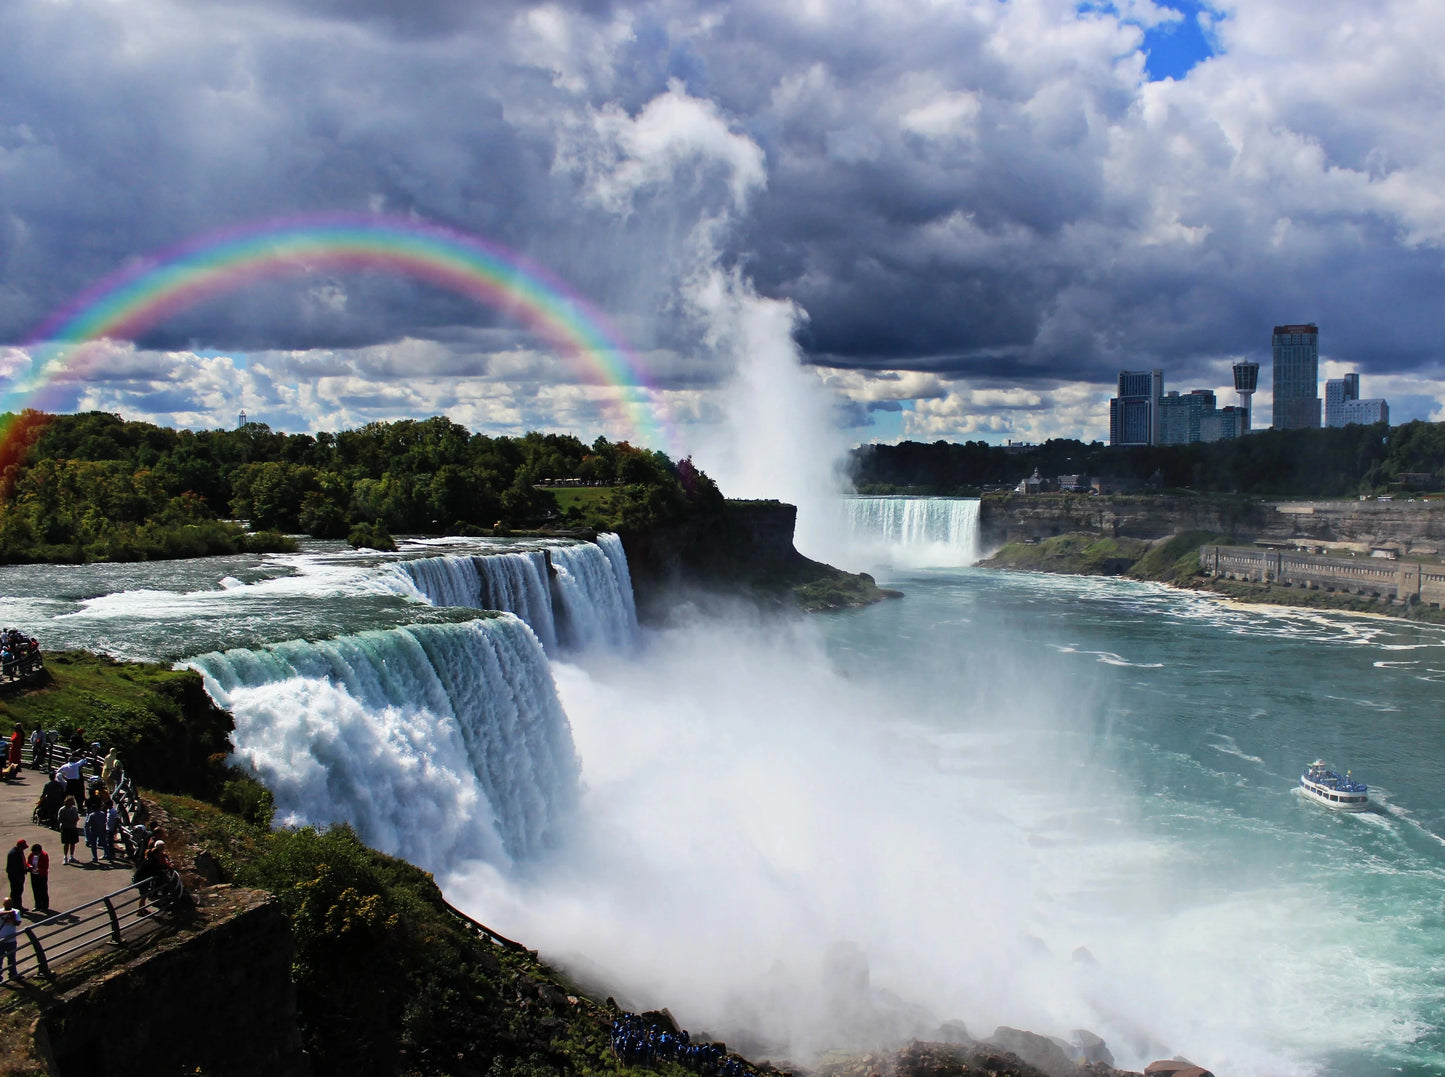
[[19, 654], [48, 748], [65, 802], [32, 861], [639, 1045]]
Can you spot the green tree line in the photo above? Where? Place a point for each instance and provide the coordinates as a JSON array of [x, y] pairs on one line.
[[1329, 462], [94, 486]]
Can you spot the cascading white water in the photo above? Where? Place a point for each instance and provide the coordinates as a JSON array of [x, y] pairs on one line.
[[916, 532], [587, 601], [593, 589], [437, 742], [511, 582]]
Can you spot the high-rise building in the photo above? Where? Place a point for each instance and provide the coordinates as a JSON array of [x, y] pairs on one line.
[[1296, 376], [1339, 391], [240, 420], [1364, 412], [1182, 416], [1227, 422], [1246, 381], [1134, 413]]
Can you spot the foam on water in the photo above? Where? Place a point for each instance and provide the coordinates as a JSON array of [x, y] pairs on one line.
[[440, 743], [843, 832]]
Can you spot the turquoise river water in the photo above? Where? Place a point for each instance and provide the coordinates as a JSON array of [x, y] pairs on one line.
[[1049, 802]]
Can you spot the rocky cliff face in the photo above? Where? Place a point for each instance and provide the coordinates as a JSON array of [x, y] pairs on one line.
[[1019, 517], [1416, 527], [747, 547]]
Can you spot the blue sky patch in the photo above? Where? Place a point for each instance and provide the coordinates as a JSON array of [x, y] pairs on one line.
[[1171, 49]]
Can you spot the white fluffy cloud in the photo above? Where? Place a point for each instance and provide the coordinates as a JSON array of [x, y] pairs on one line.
[[982, 211]]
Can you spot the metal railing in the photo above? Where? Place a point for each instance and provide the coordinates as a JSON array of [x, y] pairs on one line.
[[104, 920]]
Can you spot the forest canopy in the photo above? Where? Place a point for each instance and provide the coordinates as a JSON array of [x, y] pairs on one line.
[[94, 486], [1329, 462]]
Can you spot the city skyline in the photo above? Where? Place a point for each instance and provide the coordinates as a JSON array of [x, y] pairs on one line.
[[956, 223]]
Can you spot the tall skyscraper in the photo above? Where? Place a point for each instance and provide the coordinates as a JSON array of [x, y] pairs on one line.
[[1339, 392], [1296, 376], [1134, 413]]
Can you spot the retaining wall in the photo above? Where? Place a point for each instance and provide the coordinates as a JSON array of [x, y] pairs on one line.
[[1404, 582]]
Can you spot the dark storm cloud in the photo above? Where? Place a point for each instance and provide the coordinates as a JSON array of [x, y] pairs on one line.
[[976, 191]]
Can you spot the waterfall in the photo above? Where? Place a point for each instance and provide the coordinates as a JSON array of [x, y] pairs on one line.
[[919, 532], [593, 591], [437, 742], [584, 601], [510, 582]]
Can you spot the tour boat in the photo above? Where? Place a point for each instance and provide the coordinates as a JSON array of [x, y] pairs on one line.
[[1333, 791]]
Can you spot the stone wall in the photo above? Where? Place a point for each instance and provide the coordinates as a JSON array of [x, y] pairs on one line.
[[1404, 582], [217, 1001]]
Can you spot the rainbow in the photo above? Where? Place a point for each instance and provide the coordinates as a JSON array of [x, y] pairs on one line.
[[127, 303]]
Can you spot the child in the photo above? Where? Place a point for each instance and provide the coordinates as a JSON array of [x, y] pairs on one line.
[[9, 926]]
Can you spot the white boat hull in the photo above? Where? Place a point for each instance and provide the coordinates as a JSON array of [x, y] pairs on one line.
[[1335, 800]]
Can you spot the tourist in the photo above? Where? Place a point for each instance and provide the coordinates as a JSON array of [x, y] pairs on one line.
[[154, 868], [52, 796], [112, 828], [9, 928], [110, 769], [94, 832], [72, 774], [37, 749], [69, 818], [40, 877], [15, 870], [17, 747]]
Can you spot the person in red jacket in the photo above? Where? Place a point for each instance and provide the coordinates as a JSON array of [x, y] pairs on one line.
[[40, 876]]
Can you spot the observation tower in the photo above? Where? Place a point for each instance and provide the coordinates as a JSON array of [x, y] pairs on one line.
[[1246, 381]]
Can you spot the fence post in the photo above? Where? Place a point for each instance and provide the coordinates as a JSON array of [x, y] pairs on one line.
[[40, 963], [114, 921]]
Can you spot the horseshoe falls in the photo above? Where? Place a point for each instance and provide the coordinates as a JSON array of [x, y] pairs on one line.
[[914, 532], [437, 742]]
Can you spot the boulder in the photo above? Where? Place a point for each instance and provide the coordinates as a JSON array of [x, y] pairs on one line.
[[1175, 1067], [1038, 1051], [1092, 1048], [208, 868], [953, 1032]]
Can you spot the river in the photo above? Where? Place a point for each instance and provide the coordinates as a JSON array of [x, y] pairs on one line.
[[1050, 802]]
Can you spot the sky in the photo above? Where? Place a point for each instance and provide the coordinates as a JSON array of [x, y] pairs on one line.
[[964, 217]]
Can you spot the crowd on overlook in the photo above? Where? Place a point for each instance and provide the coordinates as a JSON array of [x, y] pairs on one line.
[[19, 655], [87, 793], [638, 1044]]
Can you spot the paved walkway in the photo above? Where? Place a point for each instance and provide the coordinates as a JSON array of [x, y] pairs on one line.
[[70, 884]]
